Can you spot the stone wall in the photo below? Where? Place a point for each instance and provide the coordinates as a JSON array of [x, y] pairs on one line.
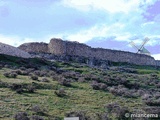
[[34, 47], [60, 47], [158, 62]]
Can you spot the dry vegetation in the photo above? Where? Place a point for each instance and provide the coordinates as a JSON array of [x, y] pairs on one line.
[[33, 89]]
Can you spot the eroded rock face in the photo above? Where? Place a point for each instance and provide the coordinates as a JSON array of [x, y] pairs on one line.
[[34, 47], [13, 51]]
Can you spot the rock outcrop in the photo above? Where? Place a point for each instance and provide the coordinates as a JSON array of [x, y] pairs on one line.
[[13, 51]]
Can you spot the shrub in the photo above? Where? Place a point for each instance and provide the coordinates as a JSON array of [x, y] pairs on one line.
[[44, 80], [20, 90], [21, 116], [119, 111], [17, 87], [57, 77], [36, 108], [152, 102], [79, 114], [146, 96], [10, 75], [95, 85], [81, 79], [13, 75], [60, 93], [140, 92], [104, 116], [34, 77], [64, 82], [3, 84], [154, 76], [36, 117], [122, 91], [22, 68], [6, 74], [31, 88]]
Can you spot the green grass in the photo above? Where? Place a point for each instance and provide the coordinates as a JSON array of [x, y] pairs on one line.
[[79, 97]]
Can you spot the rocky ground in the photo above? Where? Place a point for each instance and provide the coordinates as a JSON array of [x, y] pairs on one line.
[[36, 89]]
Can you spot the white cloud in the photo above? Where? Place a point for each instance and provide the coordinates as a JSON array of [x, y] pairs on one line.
[[156, 56], [16, 41], [112, 6], [93, 32], [10, 40]]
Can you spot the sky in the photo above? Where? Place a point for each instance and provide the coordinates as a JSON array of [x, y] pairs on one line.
[[110, 24]]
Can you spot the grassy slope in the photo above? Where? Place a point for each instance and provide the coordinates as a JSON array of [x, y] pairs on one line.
[[79, 97]]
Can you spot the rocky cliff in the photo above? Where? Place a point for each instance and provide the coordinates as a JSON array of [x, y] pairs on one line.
[[60, 47]]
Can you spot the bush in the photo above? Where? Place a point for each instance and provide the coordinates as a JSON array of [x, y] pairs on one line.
[[36, 117], [81, 79], [17, 87], [13, 75], [152, 102], [65, 82], [116, 109], [95, 85], [34, 77], [44, 80], [60, 93], [122, 91], [31, 89], [79, 114], [10, 75], [37, 109], [6, 74], [104, 116], [3, 84], [21, 116]]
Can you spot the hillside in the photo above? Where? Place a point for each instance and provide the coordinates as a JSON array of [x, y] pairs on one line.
[[36, 89]]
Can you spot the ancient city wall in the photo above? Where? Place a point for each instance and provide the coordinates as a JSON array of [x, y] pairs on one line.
[[60, 47], [158, 62], [34, 47], [78, 49]]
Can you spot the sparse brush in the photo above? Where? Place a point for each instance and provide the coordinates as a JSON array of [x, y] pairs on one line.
[[80, 114], [60, 93], [119, 111], [36, 117], [81, 79], [13, 75], [36, 109], [10, 75], [31, 88], [95, 85], [152, 102], [65, 82], [21, 116], [17, 87], [44, 80], [34, 77]]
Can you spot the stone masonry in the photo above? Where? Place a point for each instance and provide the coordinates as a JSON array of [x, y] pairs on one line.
[[34, 47], [60, 47]]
